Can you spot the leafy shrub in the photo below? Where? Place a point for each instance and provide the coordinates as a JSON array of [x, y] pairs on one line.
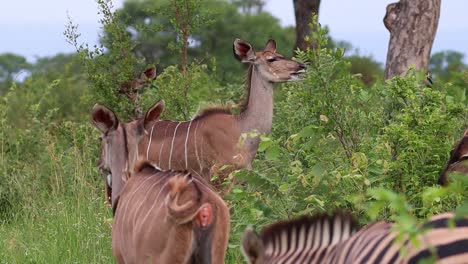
[[373, 150]]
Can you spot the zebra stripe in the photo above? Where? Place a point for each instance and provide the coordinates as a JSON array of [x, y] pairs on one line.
[[333, 239]]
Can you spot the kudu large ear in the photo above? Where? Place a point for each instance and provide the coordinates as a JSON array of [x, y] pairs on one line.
[[270, 46], [104, 119], [466, 133], [153, 114], [252, 246], [149, 74], [243, 51]]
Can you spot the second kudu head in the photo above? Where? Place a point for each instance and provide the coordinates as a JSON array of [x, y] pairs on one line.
[[119, 146], [458, 161], [273, 66]]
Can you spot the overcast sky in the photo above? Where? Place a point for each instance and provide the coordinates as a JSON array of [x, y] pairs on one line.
[[35, 28]]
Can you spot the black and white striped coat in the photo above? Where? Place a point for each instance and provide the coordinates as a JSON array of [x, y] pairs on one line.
[[333, 239]]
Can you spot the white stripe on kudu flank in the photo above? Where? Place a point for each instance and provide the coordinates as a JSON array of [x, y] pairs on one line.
[[186, 141], [162, 146], [172, 144], [142, 221], [196, 148], [127, 202], [149, 143]]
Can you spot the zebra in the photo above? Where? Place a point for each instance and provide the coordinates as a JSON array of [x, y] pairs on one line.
[[335, 238]]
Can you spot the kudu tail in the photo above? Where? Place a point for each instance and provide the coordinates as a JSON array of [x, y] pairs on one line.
[[184, 200]]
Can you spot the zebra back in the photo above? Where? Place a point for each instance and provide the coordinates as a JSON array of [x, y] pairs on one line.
[[442, 239], [293, 241]]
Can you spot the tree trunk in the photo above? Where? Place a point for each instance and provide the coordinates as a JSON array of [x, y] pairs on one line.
[[412, 25], [304, 10]]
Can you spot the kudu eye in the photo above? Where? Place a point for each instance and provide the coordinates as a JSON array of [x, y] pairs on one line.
[[271, 59]]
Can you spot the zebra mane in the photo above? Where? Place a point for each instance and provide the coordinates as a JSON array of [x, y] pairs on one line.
[[319, 230]]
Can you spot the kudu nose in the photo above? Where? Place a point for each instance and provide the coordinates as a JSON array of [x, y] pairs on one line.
[[302, 66]]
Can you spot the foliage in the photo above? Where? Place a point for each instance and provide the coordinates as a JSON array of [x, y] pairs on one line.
[[11, 65], [183, 94], [107, 68], [154, 27], [373, 150], [53, 82], [370, 70], [450, 73], [51, 204]]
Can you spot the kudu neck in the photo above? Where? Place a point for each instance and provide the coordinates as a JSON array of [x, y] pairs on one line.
[[258, 113]]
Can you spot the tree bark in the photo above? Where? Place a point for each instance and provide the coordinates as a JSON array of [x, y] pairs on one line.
[[412, 25], [304, 10]]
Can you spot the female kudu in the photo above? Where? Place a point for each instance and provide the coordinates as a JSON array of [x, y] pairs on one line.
[[213, 138], [159, 217]]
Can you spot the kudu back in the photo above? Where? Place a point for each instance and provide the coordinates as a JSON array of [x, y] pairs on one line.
[[159, 216], [458, 161]]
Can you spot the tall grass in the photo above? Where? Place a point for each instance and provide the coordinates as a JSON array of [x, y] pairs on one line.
[[51, 199], [64, 230]]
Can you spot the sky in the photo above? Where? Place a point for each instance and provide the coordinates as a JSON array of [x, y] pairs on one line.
[[35, 28]]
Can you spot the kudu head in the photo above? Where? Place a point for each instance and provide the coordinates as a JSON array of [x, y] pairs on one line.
[[273, 67], [119, 147], [132, 88], [458, 162]]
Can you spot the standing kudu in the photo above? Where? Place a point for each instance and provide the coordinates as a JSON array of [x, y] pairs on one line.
[[159, 217], [213, 138], [458, 162]]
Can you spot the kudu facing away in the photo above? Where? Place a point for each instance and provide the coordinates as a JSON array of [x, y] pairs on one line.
[[213, 138], [458, 162], [159, 217]]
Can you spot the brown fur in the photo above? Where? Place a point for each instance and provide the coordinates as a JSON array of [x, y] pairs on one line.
[[458, 161], [155, 220], [212, 110], [245, 97]]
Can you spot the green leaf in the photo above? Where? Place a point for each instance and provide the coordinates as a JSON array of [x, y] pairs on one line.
[[272, 153], [318, 170], [264, 143], [284, 188], [308, 131]]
